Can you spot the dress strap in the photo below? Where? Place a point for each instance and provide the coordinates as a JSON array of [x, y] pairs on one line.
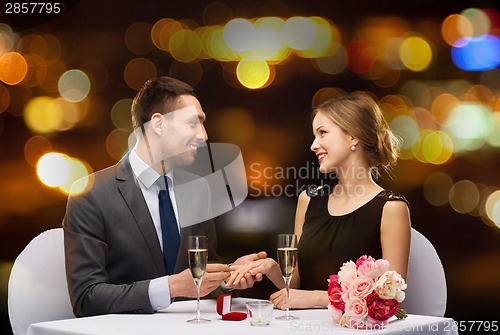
[[389, 195]]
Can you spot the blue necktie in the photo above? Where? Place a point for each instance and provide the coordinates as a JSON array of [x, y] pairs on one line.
[[169, 230]]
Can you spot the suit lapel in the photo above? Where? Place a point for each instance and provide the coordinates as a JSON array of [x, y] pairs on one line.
[[132, 195]]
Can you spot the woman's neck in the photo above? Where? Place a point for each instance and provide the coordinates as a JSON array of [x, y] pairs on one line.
[[355, 179]]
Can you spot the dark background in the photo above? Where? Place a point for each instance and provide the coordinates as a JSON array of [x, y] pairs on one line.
[[469, 249]]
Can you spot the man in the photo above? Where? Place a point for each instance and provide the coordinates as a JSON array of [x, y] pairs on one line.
[[118, 254]]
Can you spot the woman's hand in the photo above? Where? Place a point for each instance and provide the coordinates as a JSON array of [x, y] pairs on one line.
[[252, 269], [299, 299]]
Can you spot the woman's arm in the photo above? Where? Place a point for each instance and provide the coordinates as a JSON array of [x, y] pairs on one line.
[[395, 235], [300, 217]]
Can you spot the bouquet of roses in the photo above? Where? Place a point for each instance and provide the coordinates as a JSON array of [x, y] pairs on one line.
[[365, 294]]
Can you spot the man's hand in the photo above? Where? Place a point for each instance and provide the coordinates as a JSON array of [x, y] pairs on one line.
[[182, 284]]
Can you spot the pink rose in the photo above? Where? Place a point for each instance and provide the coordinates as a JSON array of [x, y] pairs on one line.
[[381, 309], [335, 293], [360, 287], [371, 267], [356, 308]]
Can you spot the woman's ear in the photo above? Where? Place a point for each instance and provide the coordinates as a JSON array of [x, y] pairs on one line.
[[354, 140]]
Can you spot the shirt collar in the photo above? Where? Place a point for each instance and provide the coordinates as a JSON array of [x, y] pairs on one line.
[[147, 175]]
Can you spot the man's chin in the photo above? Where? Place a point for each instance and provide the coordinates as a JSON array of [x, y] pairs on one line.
[[185, 159]]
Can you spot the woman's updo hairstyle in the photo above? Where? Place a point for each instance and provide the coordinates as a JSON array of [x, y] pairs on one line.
[[358, 115]]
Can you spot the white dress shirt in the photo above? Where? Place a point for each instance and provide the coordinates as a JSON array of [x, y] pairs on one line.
[[159, 293]]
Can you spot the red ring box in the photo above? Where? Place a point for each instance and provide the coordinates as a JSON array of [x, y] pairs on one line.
[[224, 303]]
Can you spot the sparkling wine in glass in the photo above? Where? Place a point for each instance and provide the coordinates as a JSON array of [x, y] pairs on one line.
[[198, 258], [287, 259]]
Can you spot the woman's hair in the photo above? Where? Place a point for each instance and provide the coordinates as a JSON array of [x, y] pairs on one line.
[[158, 95], [359, 115]]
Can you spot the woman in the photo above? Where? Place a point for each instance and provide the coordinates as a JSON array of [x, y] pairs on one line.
[[358, 217]]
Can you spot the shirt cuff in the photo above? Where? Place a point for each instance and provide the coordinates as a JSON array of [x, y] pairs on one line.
[[159, 293]]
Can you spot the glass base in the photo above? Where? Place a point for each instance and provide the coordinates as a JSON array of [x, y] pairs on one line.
[[287, 317], [200, 320]]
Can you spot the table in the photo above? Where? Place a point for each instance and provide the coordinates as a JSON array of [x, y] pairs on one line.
[[173, 321]]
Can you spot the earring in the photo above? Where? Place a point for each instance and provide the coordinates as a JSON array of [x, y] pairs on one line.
[[353, 148]]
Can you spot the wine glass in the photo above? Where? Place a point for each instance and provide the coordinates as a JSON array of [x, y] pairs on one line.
[[287, 258], [198, 258]]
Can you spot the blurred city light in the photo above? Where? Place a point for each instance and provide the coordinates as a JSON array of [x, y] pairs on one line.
[[493, 207], [479, 53], [60, 171], [53, 169], [74, 85], [438, 119], [437, 188], [415, 53], [138, 71], [464, 196], [253, 73], [13, 68]]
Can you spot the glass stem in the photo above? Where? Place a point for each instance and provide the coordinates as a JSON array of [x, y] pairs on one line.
[[198, 313], [287, 288]]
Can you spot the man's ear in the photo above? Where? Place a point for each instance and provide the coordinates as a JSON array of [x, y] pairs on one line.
[[157, 123]]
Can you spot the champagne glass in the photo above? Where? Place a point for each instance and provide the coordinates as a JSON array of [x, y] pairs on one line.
[[198, 258], [287, 258]]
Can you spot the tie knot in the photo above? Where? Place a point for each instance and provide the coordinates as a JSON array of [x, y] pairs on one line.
[[163, 182]]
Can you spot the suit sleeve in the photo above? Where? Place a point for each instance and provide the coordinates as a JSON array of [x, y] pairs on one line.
[[87, 255]]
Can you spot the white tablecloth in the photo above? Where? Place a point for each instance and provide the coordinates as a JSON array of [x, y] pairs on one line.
[[173, 321]]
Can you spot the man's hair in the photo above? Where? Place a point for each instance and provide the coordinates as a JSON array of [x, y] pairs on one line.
[[158, 95]]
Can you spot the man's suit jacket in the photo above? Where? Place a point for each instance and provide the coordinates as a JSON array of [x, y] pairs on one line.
[[111, 245]]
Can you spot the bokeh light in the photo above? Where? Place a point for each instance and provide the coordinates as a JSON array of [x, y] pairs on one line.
[[415, 53], [74, 85], [42, 115], [4, 98], [35, 148], [464, 196], [13, 68], [78, 180], [361, 56], [478, 19], [53, 169], [58, 170], [138, 71], [469, 125], [493, 207], [137, 38], [479, 53], [437, 188], [253, 73], [7, 38], [437, 147], [120, 114], [117, 143], [454, 27], [334, 64], [269, 44], [239, 35], [185, 45]]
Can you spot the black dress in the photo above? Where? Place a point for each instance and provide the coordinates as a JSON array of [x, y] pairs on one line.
[[329, 241]]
